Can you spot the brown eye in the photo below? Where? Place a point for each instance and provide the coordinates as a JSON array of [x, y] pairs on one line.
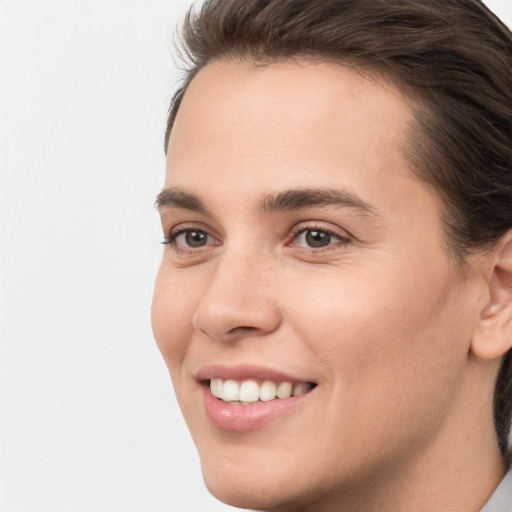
[[191, 239], [194, 239], [316, 239]]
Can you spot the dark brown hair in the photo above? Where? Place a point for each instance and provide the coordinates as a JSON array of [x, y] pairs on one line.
[[454, 57]]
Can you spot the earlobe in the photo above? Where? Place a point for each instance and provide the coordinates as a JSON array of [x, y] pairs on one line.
[[493, 335]]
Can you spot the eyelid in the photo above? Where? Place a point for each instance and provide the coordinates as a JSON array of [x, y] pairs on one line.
[[342, 236], [184, 227], [300, 228]]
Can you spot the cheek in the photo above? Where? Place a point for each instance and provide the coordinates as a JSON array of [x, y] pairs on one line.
[[384, 339], [391, 361], [171, 317]]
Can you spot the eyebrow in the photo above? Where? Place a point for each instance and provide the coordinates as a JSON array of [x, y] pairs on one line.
[[178, 198], [308, 197], [288, 200]]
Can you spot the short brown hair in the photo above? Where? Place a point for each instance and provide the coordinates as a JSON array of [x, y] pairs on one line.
[[454, 57]]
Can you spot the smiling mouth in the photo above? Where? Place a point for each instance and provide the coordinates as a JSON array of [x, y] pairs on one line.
[[250, 391]]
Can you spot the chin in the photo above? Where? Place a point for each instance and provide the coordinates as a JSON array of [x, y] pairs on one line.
[[245, 498], [256, 483], [250, 496]]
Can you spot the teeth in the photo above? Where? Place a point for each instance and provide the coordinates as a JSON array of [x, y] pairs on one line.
[[216, 387], [231, 391], [249, 391], [285, 390], [267, 391], [300, 388]]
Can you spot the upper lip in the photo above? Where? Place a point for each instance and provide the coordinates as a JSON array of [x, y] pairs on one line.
[[245, 371]]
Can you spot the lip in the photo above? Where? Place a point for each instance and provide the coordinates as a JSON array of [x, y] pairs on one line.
[[245, 371], [244, 418]]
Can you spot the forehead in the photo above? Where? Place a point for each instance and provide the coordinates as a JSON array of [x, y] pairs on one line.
[[289, 124], [301, 102]]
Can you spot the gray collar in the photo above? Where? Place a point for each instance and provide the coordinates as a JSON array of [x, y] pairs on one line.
[[501, 500]]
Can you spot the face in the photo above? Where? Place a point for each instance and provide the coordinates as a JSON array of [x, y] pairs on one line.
[[305, 259]]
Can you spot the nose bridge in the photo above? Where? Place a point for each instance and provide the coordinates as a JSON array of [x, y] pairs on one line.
[[239, 298]]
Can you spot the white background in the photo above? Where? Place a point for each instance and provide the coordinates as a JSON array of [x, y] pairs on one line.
[[88, 421]]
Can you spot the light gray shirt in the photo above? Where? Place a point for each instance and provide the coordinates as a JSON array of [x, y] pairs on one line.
[[501, 500]]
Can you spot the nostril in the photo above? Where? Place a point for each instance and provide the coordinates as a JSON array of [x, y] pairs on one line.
[[231, 333], [243, 329], [223, 320]]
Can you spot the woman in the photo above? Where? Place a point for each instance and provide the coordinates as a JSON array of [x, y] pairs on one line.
[[334, 302]]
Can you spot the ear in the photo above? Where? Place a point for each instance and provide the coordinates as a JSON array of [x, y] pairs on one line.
[[493, 335]]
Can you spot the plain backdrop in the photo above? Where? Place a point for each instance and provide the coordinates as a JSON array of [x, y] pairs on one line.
[[88, 420]]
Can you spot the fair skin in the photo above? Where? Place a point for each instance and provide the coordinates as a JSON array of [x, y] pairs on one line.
[[359, 300]]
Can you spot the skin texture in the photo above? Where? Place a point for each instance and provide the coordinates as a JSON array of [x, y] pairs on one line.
[[381, 319]]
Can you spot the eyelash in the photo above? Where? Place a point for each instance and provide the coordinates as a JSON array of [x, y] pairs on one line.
[[171, 239], [301, 228], [295, 232]]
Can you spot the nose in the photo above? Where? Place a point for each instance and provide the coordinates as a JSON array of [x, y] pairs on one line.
[[240, 301]]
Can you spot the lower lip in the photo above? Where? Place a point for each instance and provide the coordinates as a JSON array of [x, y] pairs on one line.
[[238, 417]]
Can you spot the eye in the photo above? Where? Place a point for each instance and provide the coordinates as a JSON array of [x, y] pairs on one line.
[[190, 239], [317, 238], [193, 238]]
